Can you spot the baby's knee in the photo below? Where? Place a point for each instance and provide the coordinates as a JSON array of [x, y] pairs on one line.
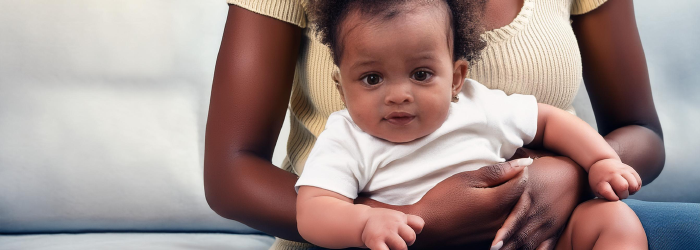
[[605, 211], [613, 218], [600, 222]]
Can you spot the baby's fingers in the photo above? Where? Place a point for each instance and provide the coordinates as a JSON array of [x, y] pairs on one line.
[[407, 234], [621, 186], [639, 179], [415, 222], [633, 184], [377, 245], [395, 242], [605, 191]]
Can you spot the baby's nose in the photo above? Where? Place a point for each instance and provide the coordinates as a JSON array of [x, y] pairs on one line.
[[399, 94]]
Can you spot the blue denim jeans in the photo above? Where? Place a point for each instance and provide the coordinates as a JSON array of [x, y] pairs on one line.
[[668, 225]]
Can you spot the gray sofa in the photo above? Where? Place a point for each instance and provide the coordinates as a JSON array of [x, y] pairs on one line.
[[103, 106]]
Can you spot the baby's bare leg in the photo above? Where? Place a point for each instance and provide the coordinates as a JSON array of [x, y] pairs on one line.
[[601, 224]]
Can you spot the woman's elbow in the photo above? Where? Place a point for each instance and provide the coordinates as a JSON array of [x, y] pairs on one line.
[[216, 193]]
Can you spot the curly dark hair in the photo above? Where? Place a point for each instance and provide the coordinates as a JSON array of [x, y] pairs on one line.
[[464, 16]]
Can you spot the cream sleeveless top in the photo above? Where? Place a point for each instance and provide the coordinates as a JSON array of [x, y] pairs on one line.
[[536, 54]]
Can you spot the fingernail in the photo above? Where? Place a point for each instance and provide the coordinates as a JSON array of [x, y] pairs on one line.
[[524, 161], [497, 246]]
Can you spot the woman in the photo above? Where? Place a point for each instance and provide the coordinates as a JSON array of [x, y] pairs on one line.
[[532, 50]]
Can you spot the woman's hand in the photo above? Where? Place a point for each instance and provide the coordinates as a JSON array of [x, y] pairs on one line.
[[467, 208], [557, 185]]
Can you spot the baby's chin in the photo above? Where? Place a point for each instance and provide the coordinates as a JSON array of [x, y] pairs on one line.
[[398, 137]]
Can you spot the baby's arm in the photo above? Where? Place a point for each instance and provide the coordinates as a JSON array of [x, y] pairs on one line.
[[564, 133], [331, 220]]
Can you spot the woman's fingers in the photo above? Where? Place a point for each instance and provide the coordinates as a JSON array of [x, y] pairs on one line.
[[515, 220], [548, 244], [532, 235], [551, 202], [500, 173]]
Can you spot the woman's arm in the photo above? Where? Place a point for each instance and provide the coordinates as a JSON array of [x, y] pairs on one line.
[[616, 77], [250, 94], [617, 81], [249, 98]]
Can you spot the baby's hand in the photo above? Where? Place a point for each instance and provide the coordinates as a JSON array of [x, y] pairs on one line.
[[390, 229], [613, 180]]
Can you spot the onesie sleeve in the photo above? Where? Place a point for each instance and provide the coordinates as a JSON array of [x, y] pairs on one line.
[[512, 117], [579, 7], [333, 163], [291, 11]]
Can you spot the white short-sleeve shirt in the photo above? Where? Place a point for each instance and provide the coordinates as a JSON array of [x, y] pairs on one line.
[[484, 127]]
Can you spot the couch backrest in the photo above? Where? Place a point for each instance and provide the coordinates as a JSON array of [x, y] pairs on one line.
[[102, 113]]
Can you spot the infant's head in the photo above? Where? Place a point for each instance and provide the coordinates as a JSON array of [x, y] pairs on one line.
[[401, 61]]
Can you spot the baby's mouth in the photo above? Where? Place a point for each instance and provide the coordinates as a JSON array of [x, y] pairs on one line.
[[400, 118]]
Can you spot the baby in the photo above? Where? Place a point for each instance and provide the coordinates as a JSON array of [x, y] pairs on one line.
[[408, 126]]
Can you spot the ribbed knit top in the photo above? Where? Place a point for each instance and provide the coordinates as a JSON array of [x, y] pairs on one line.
[[536, 54]]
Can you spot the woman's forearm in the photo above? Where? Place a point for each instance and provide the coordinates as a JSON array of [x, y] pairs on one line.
[[641, 148], [246, 112], [618, 85], [251, 190]]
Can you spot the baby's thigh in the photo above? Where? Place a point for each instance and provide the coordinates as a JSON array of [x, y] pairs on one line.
[[602, 224]]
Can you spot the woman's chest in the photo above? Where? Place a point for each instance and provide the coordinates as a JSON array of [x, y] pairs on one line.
[[536, 54]]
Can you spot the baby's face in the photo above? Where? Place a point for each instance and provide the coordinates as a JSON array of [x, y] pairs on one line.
[[397, 76]]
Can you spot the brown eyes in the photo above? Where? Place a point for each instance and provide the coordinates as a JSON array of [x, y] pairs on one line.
[[374, 79], [421, 76]]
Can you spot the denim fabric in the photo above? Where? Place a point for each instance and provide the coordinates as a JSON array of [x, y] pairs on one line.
[[669, 225]]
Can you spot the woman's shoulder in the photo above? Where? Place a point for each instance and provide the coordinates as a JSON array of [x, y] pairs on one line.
[[291, 11], [579, 7]]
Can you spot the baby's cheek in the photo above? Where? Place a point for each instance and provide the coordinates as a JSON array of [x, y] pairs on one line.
[[365, 119]]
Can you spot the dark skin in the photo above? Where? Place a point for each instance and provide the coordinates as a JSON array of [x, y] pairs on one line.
[[249, 101]]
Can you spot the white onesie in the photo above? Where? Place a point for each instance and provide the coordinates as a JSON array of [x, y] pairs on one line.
[[484, 127]]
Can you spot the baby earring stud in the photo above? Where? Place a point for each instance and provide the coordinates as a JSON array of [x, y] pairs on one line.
[[335, 75], [455, 98]]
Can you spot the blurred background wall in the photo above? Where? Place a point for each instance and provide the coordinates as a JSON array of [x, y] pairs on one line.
[[58, 53]]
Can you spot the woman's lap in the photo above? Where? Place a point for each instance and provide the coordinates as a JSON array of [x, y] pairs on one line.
[[669, 225]]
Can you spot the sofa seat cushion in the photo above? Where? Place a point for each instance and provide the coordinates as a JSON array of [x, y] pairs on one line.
[[150, 241]]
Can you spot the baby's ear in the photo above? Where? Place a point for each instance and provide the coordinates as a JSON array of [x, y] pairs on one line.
[[336, 79], [461, 68]]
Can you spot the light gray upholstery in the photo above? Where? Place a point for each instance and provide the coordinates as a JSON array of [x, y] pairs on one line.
[[136, 241]]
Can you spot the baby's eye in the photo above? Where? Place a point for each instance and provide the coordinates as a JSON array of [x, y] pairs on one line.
[[422, 75], [372, 79]]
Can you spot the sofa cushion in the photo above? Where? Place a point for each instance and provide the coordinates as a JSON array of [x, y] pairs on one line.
[[102, 113], [103, 158], [135, 241]]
